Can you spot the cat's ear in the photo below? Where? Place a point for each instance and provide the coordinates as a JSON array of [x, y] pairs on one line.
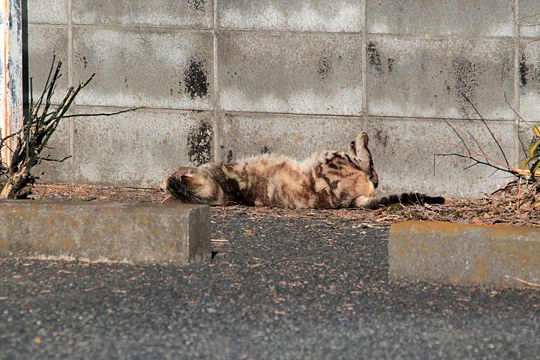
[[193, 180], [352, 148], [362, 139], [182, 174], [359, 146], [187, 178]]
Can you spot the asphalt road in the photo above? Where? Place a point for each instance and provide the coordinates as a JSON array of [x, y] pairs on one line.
[[277, 288]]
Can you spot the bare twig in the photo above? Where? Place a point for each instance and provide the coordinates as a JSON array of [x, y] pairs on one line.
[[459, 136], [478, 145], [528, 283], [521, 119], [103, 114], [514, 110], [480, 162], [474, 156], [488, 129], [37, 130]]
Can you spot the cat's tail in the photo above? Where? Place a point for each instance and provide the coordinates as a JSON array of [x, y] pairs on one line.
[[404, 199]]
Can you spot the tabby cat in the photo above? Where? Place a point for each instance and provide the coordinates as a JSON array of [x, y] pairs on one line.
[[326, 180]]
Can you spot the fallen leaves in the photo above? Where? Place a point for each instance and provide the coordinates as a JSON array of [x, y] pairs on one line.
[[511, 205]]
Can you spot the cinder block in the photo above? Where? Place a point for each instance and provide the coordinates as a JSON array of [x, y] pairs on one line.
[[529, 18], [416, 77], [393, 142], [47, 11], [441, 17], [404, 152], [191, 13], [311, 15], [296, 136], [529, 80], [138, 148], [140, 233], [290, 73], [462, 254], [157, 69], [44, 42]]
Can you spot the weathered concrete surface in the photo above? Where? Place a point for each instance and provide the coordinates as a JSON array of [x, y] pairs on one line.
[[46, 41], [47, 11], [529, 18], [321, 76], [131, 149], [529, 80], [462, 254], [403, 139], [177, 70], [191, 14], [441, 17], [308, 15], [295, 136], [140, 233], [416, 77], [104, 148]]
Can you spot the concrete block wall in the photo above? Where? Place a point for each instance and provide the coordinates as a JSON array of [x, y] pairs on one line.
[[225, 79]]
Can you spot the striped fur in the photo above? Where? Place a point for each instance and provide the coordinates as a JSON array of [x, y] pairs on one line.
[[327, 180]]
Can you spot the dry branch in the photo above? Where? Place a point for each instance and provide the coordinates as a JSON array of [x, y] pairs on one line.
[[481, 158], [529, 197], [26, 145], [528, 283]]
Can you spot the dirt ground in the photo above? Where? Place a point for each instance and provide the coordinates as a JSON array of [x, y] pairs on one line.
[[511, 205]]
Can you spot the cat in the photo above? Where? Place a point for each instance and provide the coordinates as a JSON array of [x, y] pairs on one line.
[[326, 180]]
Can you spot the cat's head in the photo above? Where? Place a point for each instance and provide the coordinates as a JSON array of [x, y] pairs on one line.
[[192, 185], [360, 154]]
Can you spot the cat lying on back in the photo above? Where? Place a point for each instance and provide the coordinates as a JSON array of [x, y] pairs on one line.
[[327, 180]]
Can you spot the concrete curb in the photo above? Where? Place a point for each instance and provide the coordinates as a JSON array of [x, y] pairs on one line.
[[139, 233], [462, 254]]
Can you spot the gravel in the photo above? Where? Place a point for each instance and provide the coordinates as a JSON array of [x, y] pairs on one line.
[[278, 287]]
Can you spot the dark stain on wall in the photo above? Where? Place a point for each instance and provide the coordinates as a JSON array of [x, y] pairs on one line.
[[265, 150], [381, 137], [523, 70], [324, 67], [506, 69], [391, 64], [197, 5], [374, 56], [466, 78], [81, 58], [447, 87], [199, 144], [230, 157], [196, 79]]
